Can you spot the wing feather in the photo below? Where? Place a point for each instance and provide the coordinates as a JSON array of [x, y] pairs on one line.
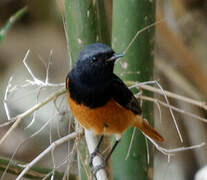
[[122, 95]]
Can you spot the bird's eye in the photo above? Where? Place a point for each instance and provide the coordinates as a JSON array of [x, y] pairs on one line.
[[94, 59]]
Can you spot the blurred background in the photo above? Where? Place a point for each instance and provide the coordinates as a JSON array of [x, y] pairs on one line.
[[180, 67]]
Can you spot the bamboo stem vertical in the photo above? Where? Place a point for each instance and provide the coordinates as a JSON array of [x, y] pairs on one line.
[[128, 17], [86, 23]]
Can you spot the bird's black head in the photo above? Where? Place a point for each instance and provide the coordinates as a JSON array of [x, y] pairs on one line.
[[95, 63]]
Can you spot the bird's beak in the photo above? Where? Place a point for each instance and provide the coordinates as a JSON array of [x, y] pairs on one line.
[[114, 57]]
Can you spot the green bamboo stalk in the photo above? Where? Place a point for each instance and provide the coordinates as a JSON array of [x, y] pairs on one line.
[[10, 22], [81, 30], [85, 23], [35, 172], [81, 25], [128, 17], [103, 24]]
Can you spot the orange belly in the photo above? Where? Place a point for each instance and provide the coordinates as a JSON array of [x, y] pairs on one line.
[[110, 118]]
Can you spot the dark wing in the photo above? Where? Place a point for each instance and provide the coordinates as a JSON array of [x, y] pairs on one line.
[[122, 95]]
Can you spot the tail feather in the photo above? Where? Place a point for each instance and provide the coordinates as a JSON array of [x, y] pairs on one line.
[[148, 130]]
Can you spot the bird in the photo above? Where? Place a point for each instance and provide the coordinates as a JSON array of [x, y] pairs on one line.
[[99, 99]]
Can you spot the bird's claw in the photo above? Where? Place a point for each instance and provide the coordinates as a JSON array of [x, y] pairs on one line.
[[95, 169], [93, 155]]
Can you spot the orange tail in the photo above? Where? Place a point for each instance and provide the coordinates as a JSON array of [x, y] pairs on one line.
[[148, 130]]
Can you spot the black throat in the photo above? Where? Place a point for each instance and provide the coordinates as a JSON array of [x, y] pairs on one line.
[[93, 95]]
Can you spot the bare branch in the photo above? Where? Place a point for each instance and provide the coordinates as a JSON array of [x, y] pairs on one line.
[[20, 117], [8, 123], [201, 104], [34, 81], [49, 149], [34, 114], [37, 81], [130, 145], [48, 67], [169, 152], [174, 108], [19, 146], [5, 99], [141, 31], [166, 99], [36, 172]]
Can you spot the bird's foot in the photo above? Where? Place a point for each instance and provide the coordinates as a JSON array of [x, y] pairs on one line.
[[95, 169], [92, 156]]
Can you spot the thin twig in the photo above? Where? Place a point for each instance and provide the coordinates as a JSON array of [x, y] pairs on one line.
[[5, 99], [177, 78], [201, 104], [20, 145], [141, 31], [67, 170], [48, 67], [166, 99], [34, 114], [61, 164], [35, 80], [49, 149], [20, 117], [174, 108], [130, 145], [67, 40], [169, 152], [8, 123], [34, 173]]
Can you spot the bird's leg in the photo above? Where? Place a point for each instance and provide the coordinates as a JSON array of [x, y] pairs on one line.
[[103, 164], [95, 152]]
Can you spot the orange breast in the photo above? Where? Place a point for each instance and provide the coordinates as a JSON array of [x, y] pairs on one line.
[[110, 118]]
